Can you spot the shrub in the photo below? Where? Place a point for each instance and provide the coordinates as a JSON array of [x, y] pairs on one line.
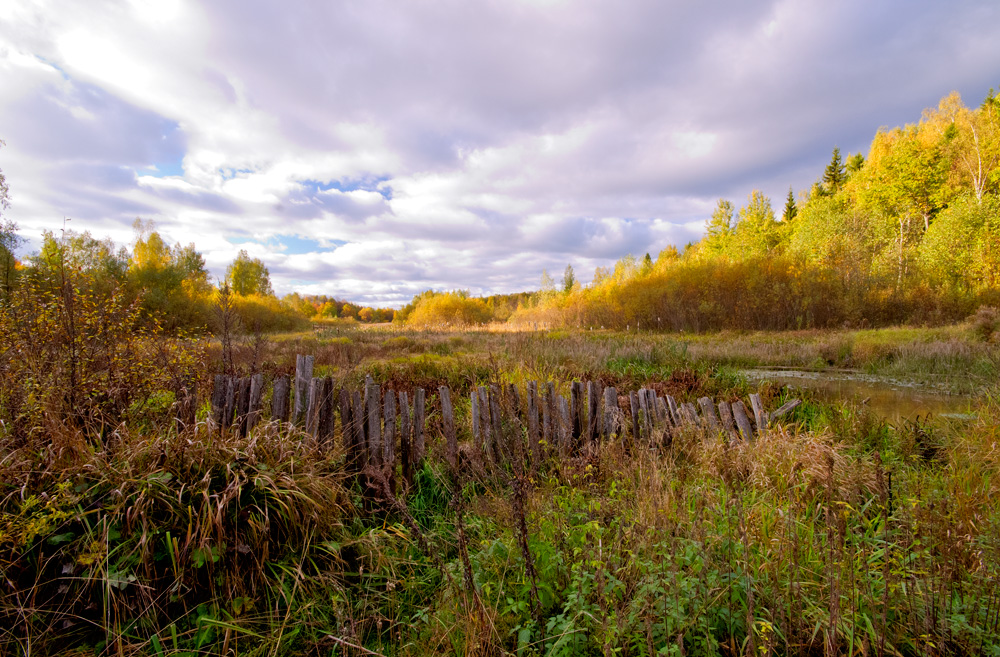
[[451, 308], [986, 323]]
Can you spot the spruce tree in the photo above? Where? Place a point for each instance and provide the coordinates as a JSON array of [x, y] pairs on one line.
[[790, 208], [835, 175]]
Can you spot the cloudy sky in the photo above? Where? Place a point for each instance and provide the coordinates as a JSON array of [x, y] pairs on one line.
[[372, 149]]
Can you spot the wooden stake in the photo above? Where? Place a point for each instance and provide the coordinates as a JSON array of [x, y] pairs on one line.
[[742, 421], [373, 397], [760, 415], [279, 399], [405, 432], [418, 428], [727, 419], [785, 408], [256, 393], [389, 440], [533, 437], [448, 419], [634, 406], [708, 412], [611, 412], [303, 376]]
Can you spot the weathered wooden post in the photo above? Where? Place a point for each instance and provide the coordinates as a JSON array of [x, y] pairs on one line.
[[533, 437], [576, 415], [708, 412], [547, 406], [303, 376], [328, 409], [647, 416], [633, 400], [360, 448], [347, 430], [674, 411], [498, 435], [658, 409], [230, 402], [758, 412], [663, 413], [279, 399], [566, 441], [418, 428], [726, 413], [611, 412], [593, 415], [448, 422], [691, 413], [256, 393], [515, 399], [242, 408], [312, 407], [742, 421], [405, 455], [787, 407], [389, 440], [477, 437], [485, 425], [373, 397]]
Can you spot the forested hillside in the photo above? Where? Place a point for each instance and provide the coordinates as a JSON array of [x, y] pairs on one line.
[[909, 233]]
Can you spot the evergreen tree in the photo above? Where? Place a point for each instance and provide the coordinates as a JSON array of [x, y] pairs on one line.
[[790, 208], [835, 175], [647, 264]]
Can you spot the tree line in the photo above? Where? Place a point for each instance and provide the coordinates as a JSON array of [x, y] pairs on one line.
[[909, 233]]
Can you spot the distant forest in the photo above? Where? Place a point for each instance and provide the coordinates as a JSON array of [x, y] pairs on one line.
[[909, 233]]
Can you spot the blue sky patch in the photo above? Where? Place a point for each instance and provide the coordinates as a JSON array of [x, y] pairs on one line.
[[291, 244], [168, 168], [364, 183]]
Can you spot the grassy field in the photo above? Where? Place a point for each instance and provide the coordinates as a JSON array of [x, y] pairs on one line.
[[836, 533]]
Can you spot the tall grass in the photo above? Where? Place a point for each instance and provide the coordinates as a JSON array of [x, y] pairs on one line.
[[834, 533]]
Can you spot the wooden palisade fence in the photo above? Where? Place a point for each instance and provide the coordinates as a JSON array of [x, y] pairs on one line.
[[373, 421]]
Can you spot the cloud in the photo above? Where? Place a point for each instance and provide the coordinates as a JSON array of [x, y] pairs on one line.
[[452, 144]]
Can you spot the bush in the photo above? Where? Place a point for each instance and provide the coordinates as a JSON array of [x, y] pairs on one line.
[[986, 323], [450, 308], [79, 357]]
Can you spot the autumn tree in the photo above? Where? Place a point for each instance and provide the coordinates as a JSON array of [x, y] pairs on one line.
[[569, 280], [249, 276], [977, 145], [719, 228], [855, 163], [171, 281], [757, 231]]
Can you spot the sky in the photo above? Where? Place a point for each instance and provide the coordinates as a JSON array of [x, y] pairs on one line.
[[370, 150]]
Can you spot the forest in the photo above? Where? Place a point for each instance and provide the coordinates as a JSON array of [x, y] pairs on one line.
[[907, 233]]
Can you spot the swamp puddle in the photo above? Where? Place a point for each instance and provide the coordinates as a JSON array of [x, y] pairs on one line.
[[890, 399]]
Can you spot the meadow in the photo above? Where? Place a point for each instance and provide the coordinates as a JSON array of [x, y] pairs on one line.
[[835, 532]]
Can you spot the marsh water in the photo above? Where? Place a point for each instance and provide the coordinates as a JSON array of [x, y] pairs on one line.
[[890, 399]]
